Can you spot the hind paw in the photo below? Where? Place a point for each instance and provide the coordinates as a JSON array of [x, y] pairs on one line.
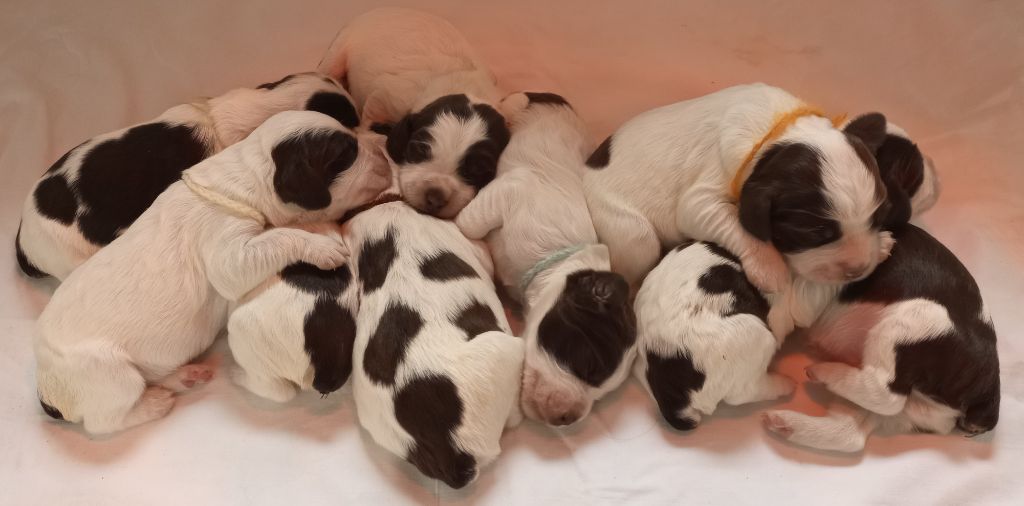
[[777, 422], [188, 377]]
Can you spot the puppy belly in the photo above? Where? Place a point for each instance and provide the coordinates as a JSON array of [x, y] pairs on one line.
[[840, 333]]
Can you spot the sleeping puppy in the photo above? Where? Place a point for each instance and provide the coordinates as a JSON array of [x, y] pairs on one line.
[[416, 78], [296, 330], [435, 372], [912, 187], [579, 328], [95, 191], [702, 336], [751, 168], [915, 350], [113, 342]]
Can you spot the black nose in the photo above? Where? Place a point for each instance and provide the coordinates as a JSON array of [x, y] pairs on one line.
[[434, 200], [565, 419]]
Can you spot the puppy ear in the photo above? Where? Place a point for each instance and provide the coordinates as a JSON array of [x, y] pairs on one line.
[[306, 164], [512, 105], [756, 208], [398, 139], [869, 128]]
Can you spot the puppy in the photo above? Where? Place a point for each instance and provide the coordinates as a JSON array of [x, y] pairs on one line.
[[751, 168], [95, 191], [912, 187], [702, 336], [435, 372], [111, 345], [296, 330], [580, 328], [415, 77], [915, 350]]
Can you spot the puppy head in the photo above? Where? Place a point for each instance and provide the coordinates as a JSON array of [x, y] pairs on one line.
[[447, 151], [581, 349], [816, 195], [318, 169]]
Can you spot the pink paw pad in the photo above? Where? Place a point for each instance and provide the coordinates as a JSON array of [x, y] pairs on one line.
[[776, 424]]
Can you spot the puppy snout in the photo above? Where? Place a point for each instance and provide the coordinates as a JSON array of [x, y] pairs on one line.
[[563, 419], [434, 199], [854, 272]]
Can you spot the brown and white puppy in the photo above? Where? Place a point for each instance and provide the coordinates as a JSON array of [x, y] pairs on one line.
[[95, 191], [416, 78], [113, 343], [751, 168]]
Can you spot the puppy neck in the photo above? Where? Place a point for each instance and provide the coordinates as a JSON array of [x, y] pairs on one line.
[[231, 182]]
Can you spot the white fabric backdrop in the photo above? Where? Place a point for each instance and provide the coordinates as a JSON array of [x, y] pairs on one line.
[[951, 73]]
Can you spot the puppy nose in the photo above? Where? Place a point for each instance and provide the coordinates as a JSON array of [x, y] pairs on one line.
[[562, 419], [434, 200], [855, 272]]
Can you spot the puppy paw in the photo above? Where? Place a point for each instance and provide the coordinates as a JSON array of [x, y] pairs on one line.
[[155, 403], [326, 252], [191, 375], [886, 242], [780, 322], [777, 422], [824, 372], [767, 270]]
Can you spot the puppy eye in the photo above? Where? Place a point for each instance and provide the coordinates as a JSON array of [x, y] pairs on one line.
[[417, 152]]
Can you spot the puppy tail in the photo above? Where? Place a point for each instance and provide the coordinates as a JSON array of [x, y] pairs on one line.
[[26, 266]]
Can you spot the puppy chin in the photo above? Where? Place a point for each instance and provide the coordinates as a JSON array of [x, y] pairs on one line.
[[437, 196]]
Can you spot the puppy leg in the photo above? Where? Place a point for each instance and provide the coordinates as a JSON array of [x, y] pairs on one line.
[[868, 387], [275, 389], [486, 212], [769, 387], [187, 377], [240, 263], [703, 215], [114, 395], [845, 428]]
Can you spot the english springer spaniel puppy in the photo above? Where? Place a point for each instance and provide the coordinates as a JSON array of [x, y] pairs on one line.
[[113, 343], [912, 187], [435, 372], [296, 330], [915, 350], [95, 191], [580, 327], [702, 336], [416, 78], [751, 168]]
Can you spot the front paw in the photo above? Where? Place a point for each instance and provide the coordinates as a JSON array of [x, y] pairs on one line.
[[767, 270], [326, 251], [780, 322]]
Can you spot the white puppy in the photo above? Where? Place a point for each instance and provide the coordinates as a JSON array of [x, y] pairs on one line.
[[296, 330], [702, 336], [115, 335], [435, 372], [751, 168], [915, 351], [579, 329], [416, 78], [96, 190]]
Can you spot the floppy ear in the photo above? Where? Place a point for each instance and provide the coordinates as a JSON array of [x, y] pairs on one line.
[[398, 139], [756, 208], [869, 128], [306, 164]]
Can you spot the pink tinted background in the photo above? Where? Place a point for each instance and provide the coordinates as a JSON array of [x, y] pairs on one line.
[[950, 73]]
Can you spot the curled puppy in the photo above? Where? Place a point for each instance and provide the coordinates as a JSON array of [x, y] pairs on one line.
[[415, 77], [114, 339], [915, 351], [912, 187], [296, 330], [702, 336], [435, 372], [751, 168], [579, 328], [95, 191]]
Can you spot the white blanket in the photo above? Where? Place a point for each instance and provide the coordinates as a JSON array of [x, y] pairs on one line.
[[950, 73]]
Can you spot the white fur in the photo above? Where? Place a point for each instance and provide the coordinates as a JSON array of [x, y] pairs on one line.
[[676, 318], [57, 249], [485, 370], [867, 334], [534, 209], [155, 298], [670, 175]]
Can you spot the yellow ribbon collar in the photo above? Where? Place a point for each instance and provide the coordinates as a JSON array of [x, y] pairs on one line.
[[782, 122]]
